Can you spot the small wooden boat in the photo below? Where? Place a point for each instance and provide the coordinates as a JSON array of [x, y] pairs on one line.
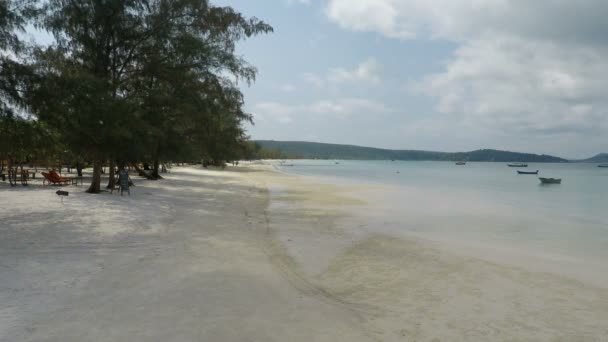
[[518, 165], [461, 163], [603, 165], [550, 180], [527, 172]]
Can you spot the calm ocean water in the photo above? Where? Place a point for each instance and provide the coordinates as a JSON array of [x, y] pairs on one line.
[[484, 205]]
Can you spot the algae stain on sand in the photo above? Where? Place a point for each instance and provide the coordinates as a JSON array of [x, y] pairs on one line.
[[424, 293]]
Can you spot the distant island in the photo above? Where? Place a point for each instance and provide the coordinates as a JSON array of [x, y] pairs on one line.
[[313, 150], [599, 158]]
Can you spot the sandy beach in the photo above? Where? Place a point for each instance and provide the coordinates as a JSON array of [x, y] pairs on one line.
[[251, 254]]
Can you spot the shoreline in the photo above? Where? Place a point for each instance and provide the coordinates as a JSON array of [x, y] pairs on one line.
[[182, 259], [254, 254], [427, 215], [462, 296]]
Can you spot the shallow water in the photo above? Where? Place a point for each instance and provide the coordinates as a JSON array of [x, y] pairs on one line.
[[485, 207]]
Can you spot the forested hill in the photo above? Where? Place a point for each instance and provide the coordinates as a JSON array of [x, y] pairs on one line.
[[600, 158], [311, 150]]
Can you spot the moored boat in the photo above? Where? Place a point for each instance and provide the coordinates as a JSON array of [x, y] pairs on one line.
[[550, 180], [518, 165], [603, 165], [461, 163], [527, 172]]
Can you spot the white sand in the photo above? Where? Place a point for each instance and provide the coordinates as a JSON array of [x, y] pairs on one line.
[[180, 260], [205, 256]]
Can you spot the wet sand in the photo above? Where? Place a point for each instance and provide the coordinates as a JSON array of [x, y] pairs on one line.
[[415, 289], [250, 254]]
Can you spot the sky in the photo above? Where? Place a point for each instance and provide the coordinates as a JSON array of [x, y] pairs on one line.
[[445, 75]]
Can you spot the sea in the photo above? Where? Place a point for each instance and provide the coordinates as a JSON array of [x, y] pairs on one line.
[[485, 209]]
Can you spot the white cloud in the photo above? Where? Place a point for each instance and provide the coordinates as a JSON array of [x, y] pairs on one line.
[[369, 16], [524, 85], [367, 72], [337, 108], [462, 19], [520, 65], [299, 2], [347, 106], [272, 111], [314, 80]]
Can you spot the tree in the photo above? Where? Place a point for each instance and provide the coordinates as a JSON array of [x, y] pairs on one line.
[[183, 75], [13, 16], [223, 134], [116, 69], [26, 141], [19, 138], [81, 75]]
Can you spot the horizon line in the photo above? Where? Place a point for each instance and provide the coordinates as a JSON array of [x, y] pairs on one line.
[[422, 150]]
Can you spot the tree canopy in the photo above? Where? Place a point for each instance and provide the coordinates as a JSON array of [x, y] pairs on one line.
[[128, 81]]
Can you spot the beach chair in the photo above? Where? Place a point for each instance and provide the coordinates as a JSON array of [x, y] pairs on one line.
[[52, 179], [66, 180], [124, 183]]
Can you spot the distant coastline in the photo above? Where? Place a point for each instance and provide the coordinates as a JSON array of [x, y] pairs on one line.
[[314, 150]]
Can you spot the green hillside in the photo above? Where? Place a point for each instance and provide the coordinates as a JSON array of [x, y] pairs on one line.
[[311, 150], [600, 158]]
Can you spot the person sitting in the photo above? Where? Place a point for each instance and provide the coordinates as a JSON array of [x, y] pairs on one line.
[[124, 182]]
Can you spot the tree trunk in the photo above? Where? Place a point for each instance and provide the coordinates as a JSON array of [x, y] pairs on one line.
[[156, 164], [79, 169], [112, 180], [141, 172], [12, 181], [155, 174], [95, 186]]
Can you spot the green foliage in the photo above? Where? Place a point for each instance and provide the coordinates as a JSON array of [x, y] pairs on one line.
[[253, 150], [598, 158], [25, 141], [142, 80], [21, 140], [182, 82], [13, 17], [300, 149]]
